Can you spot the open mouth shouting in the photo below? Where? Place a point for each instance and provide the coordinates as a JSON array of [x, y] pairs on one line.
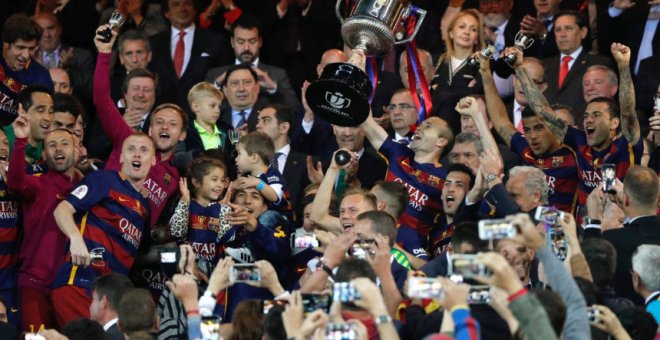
[[136, 165], [590, 130]]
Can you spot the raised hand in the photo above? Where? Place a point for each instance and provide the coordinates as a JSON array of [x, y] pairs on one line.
[[101, 46], [623, 4], [621, 53], [264, 79], [183, 188], [21, 124], [467, 106]]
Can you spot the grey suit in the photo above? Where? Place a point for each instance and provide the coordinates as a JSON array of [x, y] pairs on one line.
[[278, 75], [113, 333]]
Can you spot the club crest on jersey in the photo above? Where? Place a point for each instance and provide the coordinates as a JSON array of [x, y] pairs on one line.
[[434, 180], [167, 179], [80, 192], [557, 161]]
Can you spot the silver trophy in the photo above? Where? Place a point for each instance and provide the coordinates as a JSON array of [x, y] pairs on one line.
[[115, 21], [341, 93], [522, 42], [487, 52]]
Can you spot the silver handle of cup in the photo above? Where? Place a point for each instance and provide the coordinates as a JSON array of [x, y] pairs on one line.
[[338, 11], [420, 20]]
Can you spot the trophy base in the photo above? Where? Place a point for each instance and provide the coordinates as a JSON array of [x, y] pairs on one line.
[[341, 95], [369, 34]]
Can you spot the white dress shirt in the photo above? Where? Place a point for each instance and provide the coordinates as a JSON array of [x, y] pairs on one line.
[[187, 42], [281, 160]]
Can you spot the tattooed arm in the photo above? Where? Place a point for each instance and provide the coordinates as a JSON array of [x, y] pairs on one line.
[[536, 100], [629, 123]]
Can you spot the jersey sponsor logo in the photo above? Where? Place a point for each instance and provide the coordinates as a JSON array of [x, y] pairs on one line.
[[417, 198], [591, 178], [130, 232], [203, 250], [551, 180], [80, 192], [156, 193], [8, 210]]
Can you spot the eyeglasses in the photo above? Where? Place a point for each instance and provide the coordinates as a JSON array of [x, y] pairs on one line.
[[403, 107]]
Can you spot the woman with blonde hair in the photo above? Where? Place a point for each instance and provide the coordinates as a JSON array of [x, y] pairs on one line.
[[453, 78]]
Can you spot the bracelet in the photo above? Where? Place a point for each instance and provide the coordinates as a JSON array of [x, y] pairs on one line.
[[383, 319], [261, 185], [517, 294], [192, 312]]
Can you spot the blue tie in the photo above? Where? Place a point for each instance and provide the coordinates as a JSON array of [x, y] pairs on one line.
[[274, 163], [243, 119]]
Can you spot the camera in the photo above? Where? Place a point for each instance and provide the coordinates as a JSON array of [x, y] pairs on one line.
[[557, 243], [361, 248], [608, 174], [210, 327], [424, 288], [312, 302], [479, 295], [303, 240], [496, 229], [345, 292], [266, 305], [340, 331], [656, 102], [466, 266], [548, 215], [244, 272], [169, 260], [593, 314]]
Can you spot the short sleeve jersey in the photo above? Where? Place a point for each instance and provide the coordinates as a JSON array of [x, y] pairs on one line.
[[620, 153], [276, 181], [112, 217], [204, 225], [8, 237], [560, 168], [423, 181]]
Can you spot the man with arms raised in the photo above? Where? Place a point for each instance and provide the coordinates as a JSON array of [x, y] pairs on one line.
[[416, 166], [600, 142], [108, 215], [167, 129], [539, 146]]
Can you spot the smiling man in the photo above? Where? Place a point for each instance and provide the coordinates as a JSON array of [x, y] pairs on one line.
[[105, 214], [168, 124], [20, 36]]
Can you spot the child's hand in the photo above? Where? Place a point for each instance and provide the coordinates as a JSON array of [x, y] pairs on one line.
[[248, 181], [183, 188]]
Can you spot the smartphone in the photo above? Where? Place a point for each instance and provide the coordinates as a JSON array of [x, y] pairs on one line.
[[267, 305], [656, 102], [608, 175], [244, 272], [340, 331], [548, 215], [304, 240], [210, 327], [169, 260], [466, 266], [496, 229], [345, 292], [479, 294], [312, 302], [593, 314], [558, 243], [34, 336], [361, 248], [424, 288]]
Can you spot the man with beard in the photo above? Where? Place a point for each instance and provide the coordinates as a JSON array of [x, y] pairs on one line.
[[39, 196], [611, 130], [539, 146], [246, 41], [168, 124], [106, 214]]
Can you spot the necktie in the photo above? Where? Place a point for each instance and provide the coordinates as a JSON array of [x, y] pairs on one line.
[[494, 29], [547, 23], [243, 120], [179, 52], [563, 69], [49, 60], [519, 126], [274, 163]]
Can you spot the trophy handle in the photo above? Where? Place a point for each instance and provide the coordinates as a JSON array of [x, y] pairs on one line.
[[338, 11], [422, 15]]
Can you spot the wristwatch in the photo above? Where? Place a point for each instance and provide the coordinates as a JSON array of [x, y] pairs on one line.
[[591, 221], [491, 177], [324, 267], [382, 319]]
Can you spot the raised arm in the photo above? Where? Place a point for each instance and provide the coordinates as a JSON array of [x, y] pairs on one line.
[[469, 106], [629, 123], [374, 132], [320, 212], [494, 104], [535, 99], [17, 181]]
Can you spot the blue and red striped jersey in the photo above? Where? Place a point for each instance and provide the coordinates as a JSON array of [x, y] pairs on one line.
[[620, 153], [560, 168], [423, 181], [8, 237], [204, 223], [111, 215]]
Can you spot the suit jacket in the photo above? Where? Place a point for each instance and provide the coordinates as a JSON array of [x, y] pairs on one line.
[[206, 52], [295, 175], [643, 230], [81, 71], [448, 90], [113, 333], [571, 91], [225, 114], [315, 142], [286, 94]]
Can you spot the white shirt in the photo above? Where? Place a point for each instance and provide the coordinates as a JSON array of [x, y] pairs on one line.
[[573, 55], [499, 38], [110, 324], [187, 42], [255, 63], [517, 113], [281, 160]]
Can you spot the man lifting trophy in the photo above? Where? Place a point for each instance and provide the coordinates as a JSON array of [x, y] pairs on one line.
[[340, 95]]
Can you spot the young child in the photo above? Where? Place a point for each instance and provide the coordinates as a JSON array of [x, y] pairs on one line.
[[202, 221], [203, 133], [255, 150]]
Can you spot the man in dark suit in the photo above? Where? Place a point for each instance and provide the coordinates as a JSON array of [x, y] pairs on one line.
[[183, 54], [107, 292], [242, 102], [639, 200], [133, 52], [275, 121], [564, 72], [246, 41]]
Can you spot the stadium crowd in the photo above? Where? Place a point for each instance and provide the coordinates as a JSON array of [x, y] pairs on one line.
[[166, 178]]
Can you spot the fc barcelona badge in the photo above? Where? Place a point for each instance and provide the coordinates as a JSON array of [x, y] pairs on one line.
[[167, 179], [557, 161]]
